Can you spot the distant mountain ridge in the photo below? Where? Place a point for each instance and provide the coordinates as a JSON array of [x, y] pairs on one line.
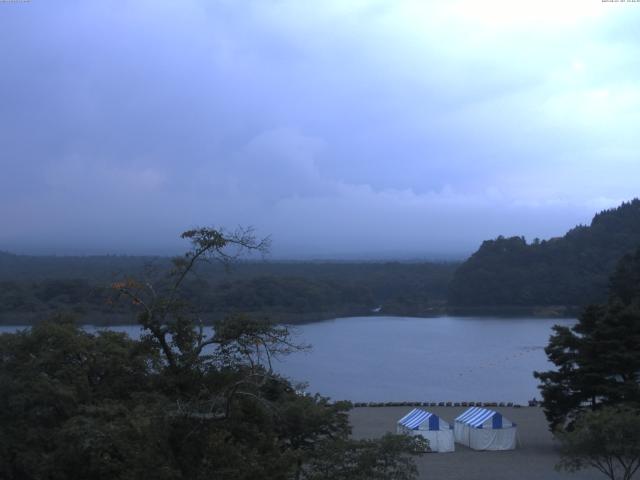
[[572, 270], [104, 267]]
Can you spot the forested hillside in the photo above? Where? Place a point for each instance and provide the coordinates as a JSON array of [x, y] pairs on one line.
[[33, 287], [572, 270]]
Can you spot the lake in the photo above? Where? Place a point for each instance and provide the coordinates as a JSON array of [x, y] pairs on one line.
[[380, 359]]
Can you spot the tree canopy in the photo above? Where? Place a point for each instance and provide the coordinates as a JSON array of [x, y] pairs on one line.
[[572, 270], [178, 403], [34, 287], [607, 440], [597, 360]]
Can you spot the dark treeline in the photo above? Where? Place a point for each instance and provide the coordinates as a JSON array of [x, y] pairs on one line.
[[32, 287], [505, 276], [99, 268], [572, 270]]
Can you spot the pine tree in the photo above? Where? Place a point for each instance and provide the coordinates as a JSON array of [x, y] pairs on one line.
[[598, 359]]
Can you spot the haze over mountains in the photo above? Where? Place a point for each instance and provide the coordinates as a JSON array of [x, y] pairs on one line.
[[563, 272], [413, 129]]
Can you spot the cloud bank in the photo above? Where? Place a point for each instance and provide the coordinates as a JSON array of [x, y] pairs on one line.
[[343, 129]]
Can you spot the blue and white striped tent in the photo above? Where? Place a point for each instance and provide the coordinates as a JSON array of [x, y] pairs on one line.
[[484, 429], [428, 425]]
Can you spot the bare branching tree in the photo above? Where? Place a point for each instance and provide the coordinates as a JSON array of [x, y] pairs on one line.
[[240, 344]]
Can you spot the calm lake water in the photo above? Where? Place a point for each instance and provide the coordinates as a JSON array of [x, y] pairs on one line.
[[418, 359]]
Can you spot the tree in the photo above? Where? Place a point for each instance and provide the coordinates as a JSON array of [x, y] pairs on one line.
[[164, 313], [77, 405], [177, 404], [365, 459], [607, 439], [597, 360], [569, 271]]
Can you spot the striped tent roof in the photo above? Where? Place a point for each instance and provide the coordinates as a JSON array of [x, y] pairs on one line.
[[476, 416], [415, 418]]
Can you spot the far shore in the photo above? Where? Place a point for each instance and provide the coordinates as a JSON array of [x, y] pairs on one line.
[[534, 459], [123, 319]]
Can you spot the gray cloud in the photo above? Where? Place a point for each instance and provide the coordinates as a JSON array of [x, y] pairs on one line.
[[341, 128]]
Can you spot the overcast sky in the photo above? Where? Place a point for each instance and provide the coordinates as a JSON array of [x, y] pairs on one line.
[[342, 128]]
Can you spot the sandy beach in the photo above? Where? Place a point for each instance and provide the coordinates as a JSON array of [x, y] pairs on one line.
[[534, 459]]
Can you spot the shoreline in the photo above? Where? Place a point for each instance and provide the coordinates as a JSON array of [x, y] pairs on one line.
[[118, 319]]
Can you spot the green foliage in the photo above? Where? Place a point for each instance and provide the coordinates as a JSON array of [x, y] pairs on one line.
[[58, 384], [597, 360], [571, 271], [294, 291], [607, 439], [177, 404], [384, 459], [625, 284]]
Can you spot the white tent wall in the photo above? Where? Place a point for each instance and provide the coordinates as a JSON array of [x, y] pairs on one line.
[[498, 439], [438, 433], [440, 441], [461, 433], [484, 435]]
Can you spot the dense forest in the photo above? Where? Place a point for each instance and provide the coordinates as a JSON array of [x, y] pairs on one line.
[[33, 287], [506, 275], [568, 271]]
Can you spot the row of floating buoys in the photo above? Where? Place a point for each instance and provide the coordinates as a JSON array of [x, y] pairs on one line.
[[439, 404]]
